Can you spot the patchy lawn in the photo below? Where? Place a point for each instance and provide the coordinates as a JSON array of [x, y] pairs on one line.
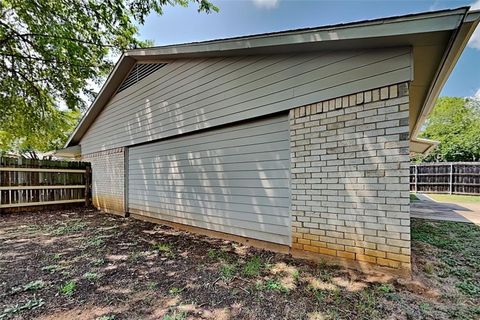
[[80, 264], [455, 198], [413, 197]]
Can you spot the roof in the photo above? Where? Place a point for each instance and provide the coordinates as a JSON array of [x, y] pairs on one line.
[[437, 38]]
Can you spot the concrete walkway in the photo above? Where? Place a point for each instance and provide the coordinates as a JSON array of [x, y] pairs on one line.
[[427, 208]]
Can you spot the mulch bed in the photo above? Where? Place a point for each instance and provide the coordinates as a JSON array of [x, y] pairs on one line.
[[83, 264]]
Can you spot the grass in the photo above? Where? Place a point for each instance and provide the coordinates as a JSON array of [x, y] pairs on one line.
[[455, 248], [271, 285], [34, 285], [455, 198], [30, 304], [106, 318], [413, 197], [91, 276], [52, 268], [174, 291], [74, 227], [68, 288], [31, 286], [162, 247], [98, 262], [253, 267], [228, 271], [175, 315], [95, 242]]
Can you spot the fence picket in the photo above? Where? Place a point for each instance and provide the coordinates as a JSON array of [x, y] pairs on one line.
[[446, 177], [26, 182]]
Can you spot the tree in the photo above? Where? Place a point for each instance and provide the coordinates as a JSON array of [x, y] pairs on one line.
[[19, 137], [50, 50], [455, 122]]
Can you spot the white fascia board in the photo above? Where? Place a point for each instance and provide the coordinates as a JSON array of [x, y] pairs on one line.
[[453, 53], [381, 28]]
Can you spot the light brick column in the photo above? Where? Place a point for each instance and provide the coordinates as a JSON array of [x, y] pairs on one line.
[[108, 180], [350, 177]]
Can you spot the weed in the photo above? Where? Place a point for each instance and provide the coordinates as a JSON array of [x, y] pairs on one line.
[[428, 268], [30, 304], [95, 242], [320, 295], [106, 318], [386, 288], [469, 287], [98, 262], [68, 288], [275, 285], [218, 255], [253, 267], [52, 268], [228, 271], [164, 247], [34, 285], [176, 315], [175, 290], [366, 304], [425, 307], [296, 274], [57, 256], [31, 286], [152, 285], [135, 256], [212, 254], [91, 276], [70, 228]]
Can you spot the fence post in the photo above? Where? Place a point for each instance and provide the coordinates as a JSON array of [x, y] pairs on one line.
[[416, 179], [451, 178], [88, 184]]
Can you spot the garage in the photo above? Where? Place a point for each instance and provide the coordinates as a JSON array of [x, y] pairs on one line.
[[231, 179]]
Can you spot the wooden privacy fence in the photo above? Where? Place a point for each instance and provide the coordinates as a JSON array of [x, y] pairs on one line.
[[26, 182], [452, 177]]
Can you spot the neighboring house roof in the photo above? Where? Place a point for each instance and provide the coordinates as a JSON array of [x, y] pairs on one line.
[[437, 38]]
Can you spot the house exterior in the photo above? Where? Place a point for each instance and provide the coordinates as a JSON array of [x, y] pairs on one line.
[[297, 141]]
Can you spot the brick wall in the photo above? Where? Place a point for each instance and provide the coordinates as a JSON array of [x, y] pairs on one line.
[[350, 177], [108, 182]]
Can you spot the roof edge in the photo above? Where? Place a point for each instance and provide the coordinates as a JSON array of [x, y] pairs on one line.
[[384, 27], [458, 43]]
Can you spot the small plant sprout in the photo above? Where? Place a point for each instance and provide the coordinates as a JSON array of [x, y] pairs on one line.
[[253, 267], [162, 247], [68, 288], [91, 276], [227, 271], [175, 290]]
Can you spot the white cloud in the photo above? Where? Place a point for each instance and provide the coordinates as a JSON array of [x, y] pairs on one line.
[[475, 39], [477, 94], [268, 4]]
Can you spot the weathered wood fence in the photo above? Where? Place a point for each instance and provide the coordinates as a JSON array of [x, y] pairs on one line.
[[28, 183], [452, 178]]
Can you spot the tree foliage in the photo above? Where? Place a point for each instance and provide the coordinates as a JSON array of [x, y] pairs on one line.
[[49, 134], [51, 49], [455, 122]]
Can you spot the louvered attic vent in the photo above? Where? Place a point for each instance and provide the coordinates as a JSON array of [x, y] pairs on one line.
[[139, 71]]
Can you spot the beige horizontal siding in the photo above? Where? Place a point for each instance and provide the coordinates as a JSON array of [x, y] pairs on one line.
[[235, 183], [192, 94]]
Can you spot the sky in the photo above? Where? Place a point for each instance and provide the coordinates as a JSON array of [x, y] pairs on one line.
[[245, 17]]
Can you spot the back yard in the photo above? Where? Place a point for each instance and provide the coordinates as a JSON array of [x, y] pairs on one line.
[[79, 264]]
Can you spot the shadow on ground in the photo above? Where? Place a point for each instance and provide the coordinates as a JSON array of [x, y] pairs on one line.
[[82, 264]]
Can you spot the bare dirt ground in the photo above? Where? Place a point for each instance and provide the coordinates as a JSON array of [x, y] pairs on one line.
[[82, 264]]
